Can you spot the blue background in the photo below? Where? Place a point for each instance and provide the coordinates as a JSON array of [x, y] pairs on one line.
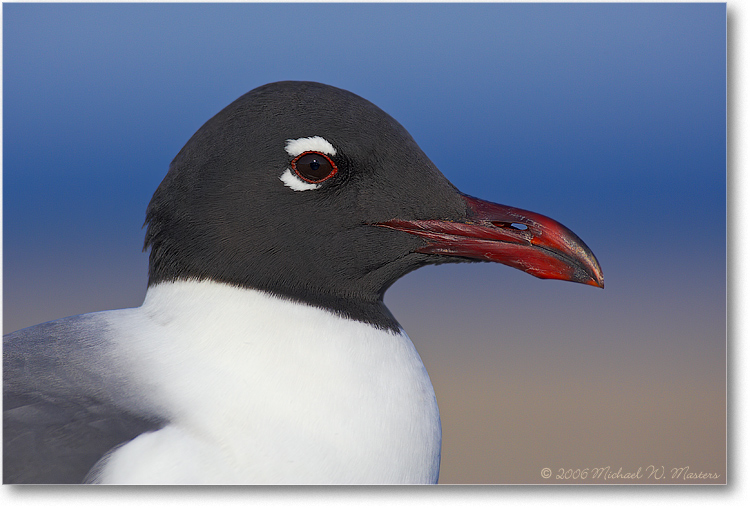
[[609, 118]]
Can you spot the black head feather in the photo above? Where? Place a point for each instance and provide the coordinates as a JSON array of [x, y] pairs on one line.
[[222, 213]]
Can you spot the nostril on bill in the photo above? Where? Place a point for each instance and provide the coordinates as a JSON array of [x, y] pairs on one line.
[[512, 225]]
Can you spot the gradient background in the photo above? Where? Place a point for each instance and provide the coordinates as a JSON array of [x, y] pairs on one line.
[[608, 118]]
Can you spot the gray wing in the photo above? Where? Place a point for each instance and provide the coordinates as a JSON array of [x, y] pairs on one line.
[[63, 404]]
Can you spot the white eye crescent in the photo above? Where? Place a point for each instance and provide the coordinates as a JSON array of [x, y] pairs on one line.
[[296, 183], [298, 148]]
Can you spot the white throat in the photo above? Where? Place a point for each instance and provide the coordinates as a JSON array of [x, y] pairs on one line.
[[259, 389]]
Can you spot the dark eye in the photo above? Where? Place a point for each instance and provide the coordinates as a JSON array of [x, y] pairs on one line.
[[314, 167]]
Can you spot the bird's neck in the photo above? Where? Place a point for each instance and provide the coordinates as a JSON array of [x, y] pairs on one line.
[[371, 311], [285, 382]]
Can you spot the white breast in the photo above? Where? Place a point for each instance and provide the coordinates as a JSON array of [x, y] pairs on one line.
[[263, 390]]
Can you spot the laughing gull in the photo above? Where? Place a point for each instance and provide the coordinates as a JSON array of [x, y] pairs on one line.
[[263, 351]]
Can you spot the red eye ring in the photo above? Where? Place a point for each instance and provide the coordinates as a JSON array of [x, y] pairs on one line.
[[314, 167]]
